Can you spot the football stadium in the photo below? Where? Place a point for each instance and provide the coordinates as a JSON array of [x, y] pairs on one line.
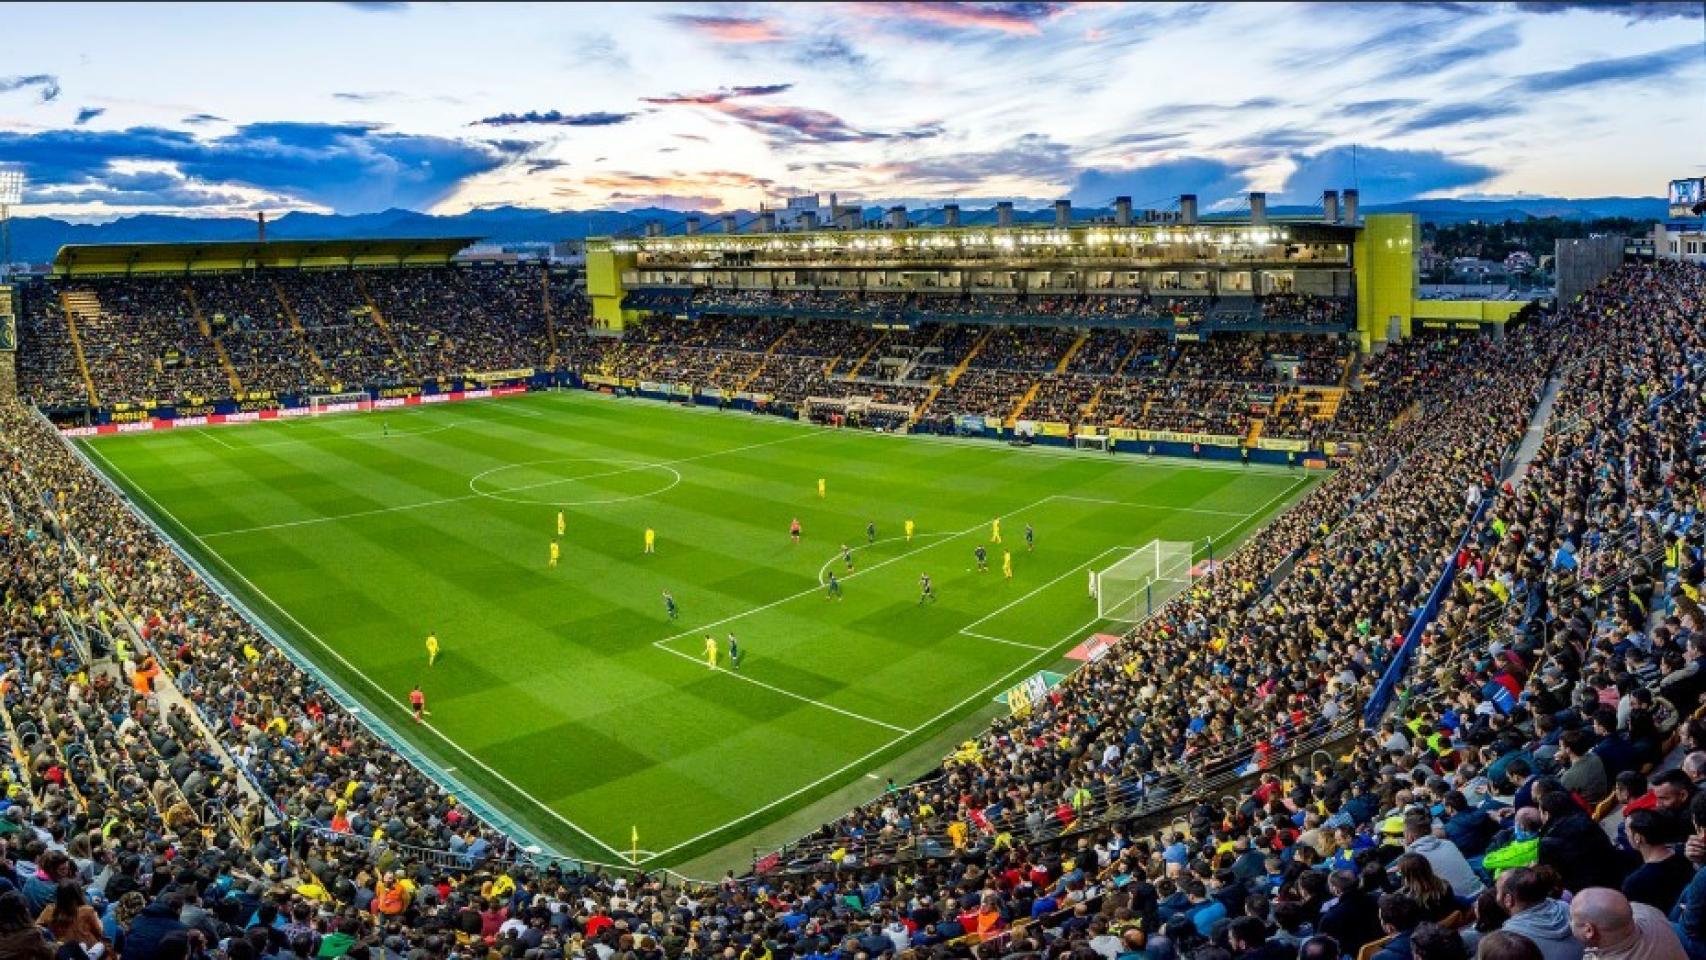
[[845, 579]]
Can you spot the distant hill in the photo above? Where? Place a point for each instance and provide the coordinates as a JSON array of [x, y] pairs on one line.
[[37, 239]]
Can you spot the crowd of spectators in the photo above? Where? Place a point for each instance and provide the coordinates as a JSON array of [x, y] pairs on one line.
[[1216, 386], [159, 339], [179, 790], [139, 339], [1006, 306]]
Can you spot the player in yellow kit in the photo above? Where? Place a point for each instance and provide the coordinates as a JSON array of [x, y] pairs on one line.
[[555, 551], [432, 649], [1007, 564], [559, 523], [995, 530], [820, 486], [909, 531], [711, 651], [651, 540]]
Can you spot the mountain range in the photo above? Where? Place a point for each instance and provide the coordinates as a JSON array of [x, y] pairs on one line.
[[37, 239]]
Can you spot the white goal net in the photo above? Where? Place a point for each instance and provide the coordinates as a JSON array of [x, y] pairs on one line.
[[339, 402], [1090, 441], [1140, 582]]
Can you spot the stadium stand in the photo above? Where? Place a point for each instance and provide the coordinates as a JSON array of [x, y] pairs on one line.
[[1475, 650]]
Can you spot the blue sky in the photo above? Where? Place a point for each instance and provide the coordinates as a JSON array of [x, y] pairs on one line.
[[116, 109]]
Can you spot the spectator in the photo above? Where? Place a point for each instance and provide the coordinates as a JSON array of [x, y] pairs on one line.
[[1573, 844], [20, 939], [1504, 945], [1663, 873], [1613, 928], [1535, 915], [1442, 855], [1399, 917], [70, 918]]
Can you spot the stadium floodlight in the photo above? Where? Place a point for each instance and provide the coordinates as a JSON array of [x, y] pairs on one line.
[[11, 187], [11, 194]]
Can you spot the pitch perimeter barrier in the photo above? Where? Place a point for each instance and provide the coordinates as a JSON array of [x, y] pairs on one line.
[[124, 417], [167, 418]]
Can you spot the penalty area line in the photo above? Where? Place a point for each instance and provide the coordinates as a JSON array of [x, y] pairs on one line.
[[783, 691], [866, 758]]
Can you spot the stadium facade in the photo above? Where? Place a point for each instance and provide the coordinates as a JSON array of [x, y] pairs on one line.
[[1211, 272]]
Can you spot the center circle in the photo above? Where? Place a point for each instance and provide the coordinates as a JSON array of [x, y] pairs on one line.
[[538, 486]]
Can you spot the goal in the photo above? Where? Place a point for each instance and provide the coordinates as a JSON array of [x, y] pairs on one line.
[[1139, 583], [1090, 441], [339, 402]]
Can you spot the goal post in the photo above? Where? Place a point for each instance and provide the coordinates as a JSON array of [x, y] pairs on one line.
[[1090, 441], [1136, 585], [339, 402]]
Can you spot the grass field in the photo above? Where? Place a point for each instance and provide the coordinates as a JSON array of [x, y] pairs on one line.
[[566, 696]]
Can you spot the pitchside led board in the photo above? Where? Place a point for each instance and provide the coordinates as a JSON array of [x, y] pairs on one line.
[[1686, 196]]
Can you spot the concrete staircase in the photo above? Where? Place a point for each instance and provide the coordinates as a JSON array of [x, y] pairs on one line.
[[1089, 410], [919, 411], [769, 352], [384, 327], [296, 327], [863, 357], [1352, 370], [81, 303], [1072, 351], [1331, 397], [965, 363], [550, 311], [218, 347], [1025, 401]]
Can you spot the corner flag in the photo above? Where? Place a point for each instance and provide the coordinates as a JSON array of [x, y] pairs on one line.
[[634, 840]]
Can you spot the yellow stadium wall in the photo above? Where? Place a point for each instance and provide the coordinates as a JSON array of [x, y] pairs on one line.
[[1467, 311], [1385, 264], [604, 288]]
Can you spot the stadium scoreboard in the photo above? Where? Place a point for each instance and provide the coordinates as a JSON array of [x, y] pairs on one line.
[[1686, 197]]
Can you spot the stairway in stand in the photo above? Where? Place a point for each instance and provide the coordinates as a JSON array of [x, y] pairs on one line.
[[296, 327], [965, 364], [1072, 351], [1024, 402], [550, 312], [85, 303], [385, 328], [865, 356], [769, 352], [218, 346]]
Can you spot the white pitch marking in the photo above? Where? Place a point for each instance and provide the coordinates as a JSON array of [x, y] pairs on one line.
[[1010, 643], [831, 561], [786, 693], [384, 695], [875, 566], [310, 521], [858, 761], [1013, 603]]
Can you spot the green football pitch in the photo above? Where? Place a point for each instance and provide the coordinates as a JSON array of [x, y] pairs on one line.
[[567, 696]]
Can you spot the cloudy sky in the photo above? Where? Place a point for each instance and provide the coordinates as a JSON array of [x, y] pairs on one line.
[[354, 107]]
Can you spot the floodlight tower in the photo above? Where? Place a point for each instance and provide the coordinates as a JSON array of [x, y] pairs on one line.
[[11, 194]]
